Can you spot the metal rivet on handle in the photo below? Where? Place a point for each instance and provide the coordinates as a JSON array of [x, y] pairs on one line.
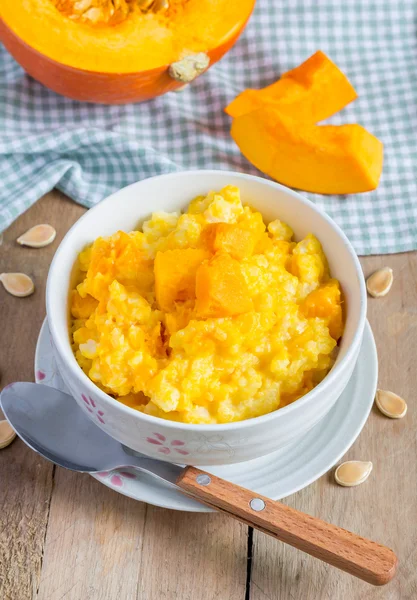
[[203, 479], [257, 504]]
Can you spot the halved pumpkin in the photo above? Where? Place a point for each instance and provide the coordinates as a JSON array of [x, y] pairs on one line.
[[119, 51]]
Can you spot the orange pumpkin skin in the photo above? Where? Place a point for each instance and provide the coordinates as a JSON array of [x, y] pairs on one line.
[[97, 87]]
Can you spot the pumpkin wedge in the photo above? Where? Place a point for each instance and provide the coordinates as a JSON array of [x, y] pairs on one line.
[[313, 91], [325, 159], [119, 51]]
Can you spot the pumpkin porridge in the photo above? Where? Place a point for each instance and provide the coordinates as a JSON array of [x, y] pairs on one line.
[[208, 316]]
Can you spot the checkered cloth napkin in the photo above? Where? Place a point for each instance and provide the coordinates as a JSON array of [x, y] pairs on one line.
[[90, 151]]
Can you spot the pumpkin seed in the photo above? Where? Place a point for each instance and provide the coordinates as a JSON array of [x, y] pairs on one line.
[[391, 405], [106, 11], [82, 5], [93, 14], [17, 284], [160, 5], [7, 434], [379, 283], [145, 4], [353, 472], [37, 236]]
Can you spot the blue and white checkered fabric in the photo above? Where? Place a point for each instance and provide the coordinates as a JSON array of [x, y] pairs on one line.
[[90, 151]]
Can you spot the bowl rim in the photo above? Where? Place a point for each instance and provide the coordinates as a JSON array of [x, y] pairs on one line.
[[322, 387]]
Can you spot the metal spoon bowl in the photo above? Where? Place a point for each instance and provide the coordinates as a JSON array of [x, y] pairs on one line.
[[52, 424]]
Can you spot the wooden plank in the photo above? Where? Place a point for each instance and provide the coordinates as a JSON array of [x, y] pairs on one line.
[[25, 478], [93, 546], [383, 508], [192, 556], [25, 490], [101, 545]]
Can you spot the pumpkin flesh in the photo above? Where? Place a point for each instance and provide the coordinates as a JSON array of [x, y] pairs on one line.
[[140, 41], [314, 91], [325, 159], [221, 289], [175, 274]]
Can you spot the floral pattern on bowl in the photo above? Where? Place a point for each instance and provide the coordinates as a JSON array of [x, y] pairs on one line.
[[92, 408], [166, 447]]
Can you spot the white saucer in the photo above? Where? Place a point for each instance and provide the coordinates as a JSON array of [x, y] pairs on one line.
[[277, 475]]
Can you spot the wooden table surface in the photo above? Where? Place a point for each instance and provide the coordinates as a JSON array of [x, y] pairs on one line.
[[64, 535]]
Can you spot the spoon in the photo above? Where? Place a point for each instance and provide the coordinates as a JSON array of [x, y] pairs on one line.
[[51, 423]]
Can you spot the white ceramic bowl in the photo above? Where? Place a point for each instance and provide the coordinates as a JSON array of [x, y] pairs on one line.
[[205, 444]]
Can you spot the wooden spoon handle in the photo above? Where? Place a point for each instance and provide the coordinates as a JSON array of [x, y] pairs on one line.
[[358, 556]]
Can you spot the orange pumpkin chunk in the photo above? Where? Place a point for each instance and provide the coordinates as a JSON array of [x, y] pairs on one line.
[[230, 238], [175, 272], [325, 303], [313, 91], [221, 289], [325, 159]]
